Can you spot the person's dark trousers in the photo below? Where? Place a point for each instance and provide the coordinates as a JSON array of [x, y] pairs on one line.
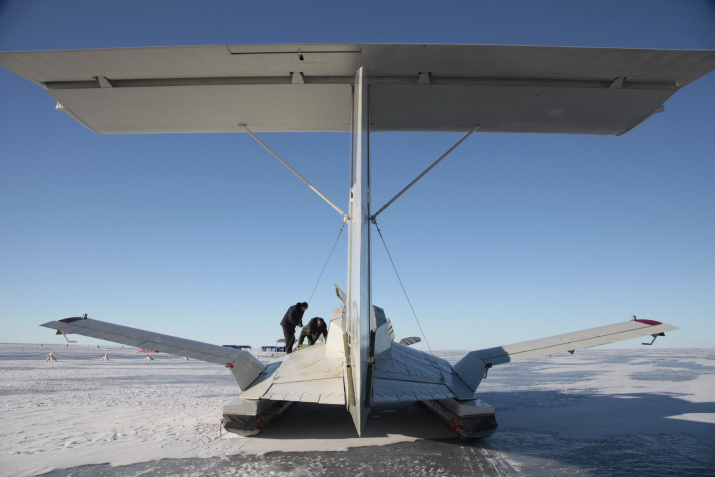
[[289, 335]]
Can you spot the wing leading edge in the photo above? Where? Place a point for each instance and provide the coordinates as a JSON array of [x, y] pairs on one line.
[[472, 367], [244, 366]]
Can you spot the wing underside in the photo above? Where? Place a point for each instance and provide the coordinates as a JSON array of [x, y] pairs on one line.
[[414, 87]]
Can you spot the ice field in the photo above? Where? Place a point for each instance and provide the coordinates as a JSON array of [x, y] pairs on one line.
[[647, 411]]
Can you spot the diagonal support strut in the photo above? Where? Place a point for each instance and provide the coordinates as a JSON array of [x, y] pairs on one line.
[[315, 189], [374, 216]]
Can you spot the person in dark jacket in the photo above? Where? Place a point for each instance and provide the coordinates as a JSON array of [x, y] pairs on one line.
[[313, 330], [292, 318]]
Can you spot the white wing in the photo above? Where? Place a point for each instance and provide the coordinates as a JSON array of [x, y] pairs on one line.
[[413, 87], [472, 367], [244, 366]]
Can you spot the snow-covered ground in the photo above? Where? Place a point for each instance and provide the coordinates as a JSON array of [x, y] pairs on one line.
[[648, 411]]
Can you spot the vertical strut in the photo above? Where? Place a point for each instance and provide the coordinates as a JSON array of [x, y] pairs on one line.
[[359, 301]]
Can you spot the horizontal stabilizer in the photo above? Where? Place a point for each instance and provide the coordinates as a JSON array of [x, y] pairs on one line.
[[244, 366], [306, 375], [473, 366], [412, 375]]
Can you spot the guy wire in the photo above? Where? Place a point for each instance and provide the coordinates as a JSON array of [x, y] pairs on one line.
[[439, 369], [326, 262]]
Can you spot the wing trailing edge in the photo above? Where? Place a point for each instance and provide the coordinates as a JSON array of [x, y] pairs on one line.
[[244, 366], [474, 365]]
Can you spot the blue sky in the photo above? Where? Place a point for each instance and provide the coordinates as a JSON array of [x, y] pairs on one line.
[[208, 237]]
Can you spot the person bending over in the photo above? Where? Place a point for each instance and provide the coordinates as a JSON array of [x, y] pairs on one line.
[[315, 327]]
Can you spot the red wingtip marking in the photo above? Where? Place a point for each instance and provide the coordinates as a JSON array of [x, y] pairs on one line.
[[229, 365], [70, 320], [649, 322]]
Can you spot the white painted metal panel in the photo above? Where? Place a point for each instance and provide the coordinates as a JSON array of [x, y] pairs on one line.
[[204, 61], [306, 375], [382, 327], [472, 367], [502, 88], [312, 60], [359, 304], [513, 109], [408, 363], [423, 371], [215, 108], [387, 390], [540, 62], [258, 390], [385, 60], [324, 391], [246, 368], [590, 337], [334, 345], [308, 363]]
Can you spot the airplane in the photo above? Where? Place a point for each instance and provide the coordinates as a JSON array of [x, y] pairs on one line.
[[360, 89]]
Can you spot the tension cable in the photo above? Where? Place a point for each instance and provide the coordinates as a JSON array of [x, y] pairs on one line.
[[439, 369], [326, 262]]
